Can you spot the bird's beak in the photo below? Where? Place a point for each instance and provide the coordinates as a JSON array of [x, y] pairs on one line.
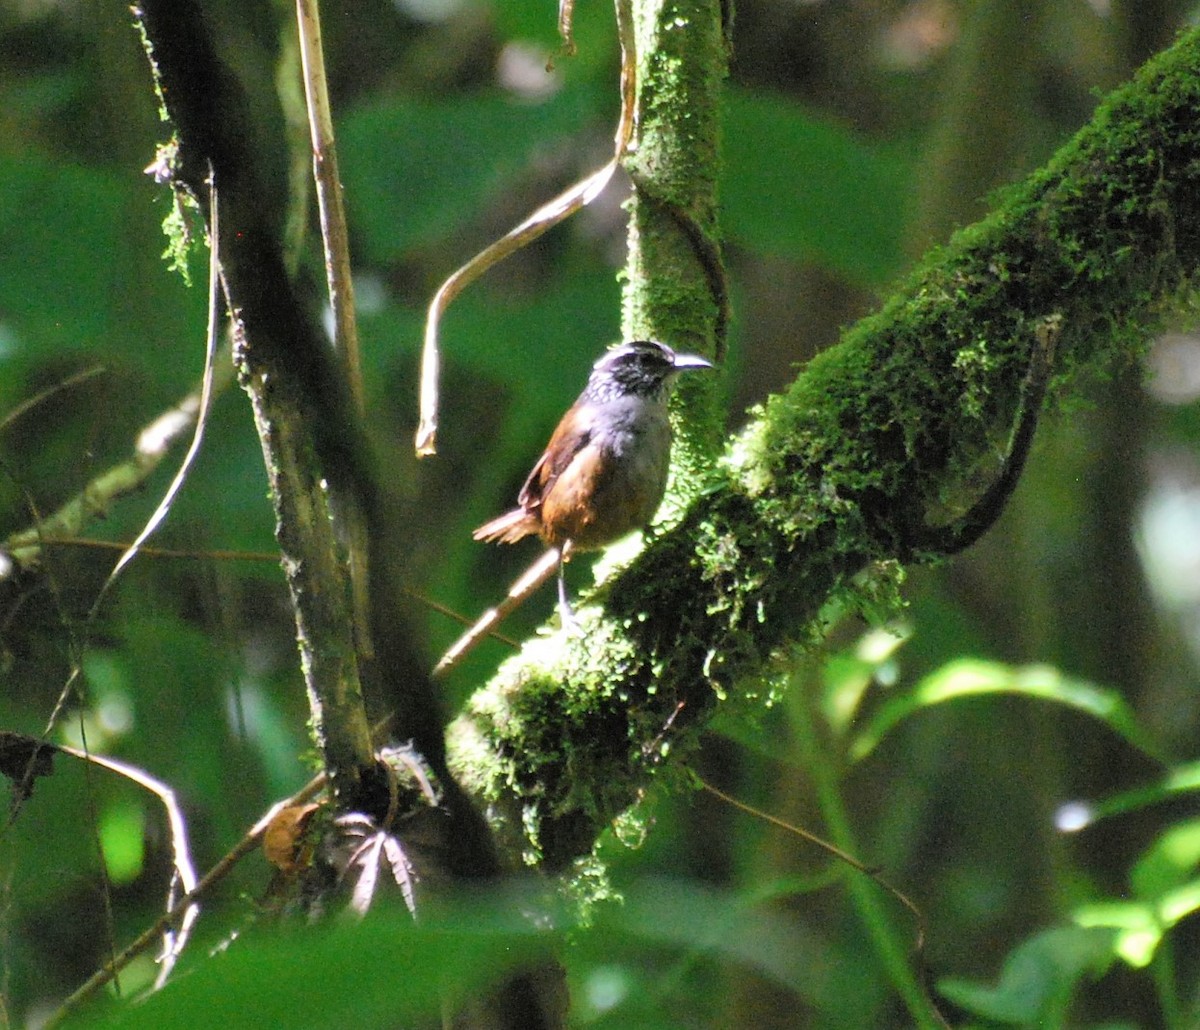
[[684, 362]]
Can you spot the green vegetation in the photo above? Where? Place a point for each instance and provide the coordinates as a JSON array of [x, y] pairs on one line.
[[1003, 738]]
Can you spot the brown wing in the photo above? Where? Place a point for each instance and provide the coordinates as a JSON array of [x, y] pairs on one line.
[[526, 520], [571, 436]]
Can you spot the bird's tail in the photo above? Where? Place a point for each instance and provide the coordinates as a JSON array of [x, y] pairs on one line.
[[508, 528]]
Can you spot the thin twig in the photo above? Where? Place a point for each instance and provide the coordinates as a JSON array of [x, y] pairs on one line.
[[545, 217], [24, 548], [210, 879], [334, 234], [833, 849], [532, 578], [217, 554], [30, 403], [566, 20], [184, 871], [148, 442], [151, 551], [850, 860], [154, 442]]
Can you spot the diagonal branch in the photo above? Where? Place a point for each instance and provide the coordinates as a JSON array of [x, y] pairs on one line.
[[22, 550]]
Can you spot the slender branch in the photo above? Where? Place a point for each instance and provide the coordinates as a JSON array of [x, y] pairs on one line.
[[334, 232], [150, 936], [148, 442], [532, 578], [544, 218], [30, 403], [335, 238], [153, 444], [25, 757], [272, 557]]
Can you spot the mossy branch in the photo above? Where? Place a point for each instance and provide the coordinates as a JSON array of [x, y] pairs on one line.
[[675, 287], [314, 446], [300, 404], [818, 497]]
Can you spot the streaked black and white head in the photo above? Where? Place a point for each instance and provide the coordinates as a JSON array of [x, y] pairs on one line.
[[642, 368]]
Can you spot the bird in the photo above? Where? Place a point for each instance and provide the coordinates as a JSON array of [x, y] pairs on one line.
[[604, 471]]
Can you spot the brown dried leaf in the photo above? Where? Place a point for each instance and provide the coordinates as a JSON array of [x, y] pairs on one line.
[[283, 841]]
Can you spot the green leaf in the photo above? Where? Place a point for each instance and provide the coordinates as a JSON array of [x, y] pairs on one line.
[[1166, 892], [1179, 903], [1038, 978], [801, 187], [1169, 862], [973, 678], [847, 675], [1135, 924], [382, 971], [1182, 779]]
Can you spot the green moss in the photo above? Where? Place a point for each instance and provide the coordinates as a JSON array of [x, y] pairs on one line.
[[669, 291], [177, 225]]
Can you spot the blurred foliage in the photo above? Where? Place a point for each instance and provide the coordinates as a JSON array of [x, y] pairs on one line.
[[1021, 762]]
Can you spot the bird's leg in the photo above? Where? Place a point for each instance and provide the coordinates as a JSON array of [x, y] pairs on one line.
[[565, 611]]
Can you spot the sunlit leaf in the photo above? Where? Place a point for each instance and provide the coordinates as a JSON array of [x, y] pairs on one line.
[[1038, 978], [1137, 928], [973, 678], [1163, 880], [1179, 903], [1169, 862], [848, 674]]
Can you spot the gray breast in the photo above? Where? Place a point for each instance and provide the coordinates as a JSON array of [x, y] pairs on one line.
[[636, 437]]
